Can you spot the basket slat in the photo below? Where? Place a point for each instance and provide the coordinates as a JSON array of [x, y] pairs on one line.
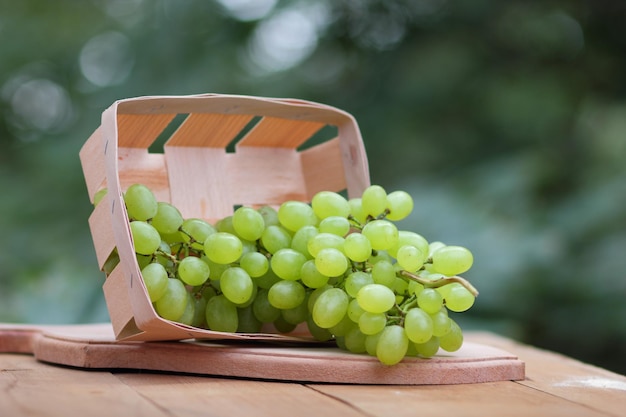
[[323, 168], [141, 131], [102, 231], [209, 130], [92, 163], [273, 132]]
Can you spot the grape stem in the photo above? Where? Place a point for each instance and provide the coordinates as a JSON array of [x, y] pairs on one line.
[[440, 282]]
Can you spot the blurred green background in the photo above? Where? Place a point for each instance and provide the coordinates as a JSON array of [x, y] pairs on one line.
[[506, 120]]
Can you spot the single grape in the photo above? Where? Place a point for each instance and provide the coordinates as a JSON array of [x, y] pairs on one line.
[[324, 240], [193, 271], [452, 260], [172, 304], [196, 231], [384, 273], [376, 298], [344, 326], [382, 234], [247, 321], [428, 349], [336, 225], [371, 342], [287, 263], [328, 203], [282, 325], [318, 333], [294, 215], [354, 310], [441, 322], [330, 307], [354, 340], [356, 210], [223, 248], [429, 300], [155, 277], [372, 323], [167, 219], [270, 215], [400, 205], [310, 276], [274, 238], [297, 314], [263, 310], [331, 262], [286, 294], [267, 280], [140, 202], [248, 223], [459, 298], [221, 314], [301, 238], [392, 346], [410, 238], [357, 280], [374, 200], [146, 239], [418, 325], [357, 247], [236, 285], [453, 340], [99, 196], [410, 258], [189, 313], [254, 263]]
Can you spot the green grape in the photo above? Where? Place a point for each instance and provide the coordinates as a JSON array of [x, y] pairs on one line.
[[112, 261], [311, 277], [275, 238], [221, 314], [248, 223], [356, 210], [382, 234], [452, 260], [315, 294], [371, 342], [99, 196], [193, 271], [400, 287], [380, 255], [247, 321], [286, 294], [430, 300], [282, 325], [459, 298], [270, 215], [140, 202], [301, 238], [328, 203], [330, 307], [196, 231], [384, 273], [372, 323], [343, 327], [354, 340], [225, 225], [146, 239], [429, 348], [189, 313], [392, 346], [354, 310], [172, 304], [294, 215], [376, 298], [410, 238], [374, 200], [336, 225], [441, 322], [318, 333], [453, 340], [400, 205], [410, 258], [434, 247], [297, 314], [155, 277], [236, 285], [357, 280], [418, 325], [267, 280], [357, 247], [223, 248], [287, 264], [263, 310], [255, 264], [199, 311], [167, 219], [414, 287], [331, 262], [324, 240]]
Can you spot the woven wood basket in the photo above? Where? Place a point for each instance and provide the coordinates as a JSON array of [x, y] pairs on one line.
[[228, 151]]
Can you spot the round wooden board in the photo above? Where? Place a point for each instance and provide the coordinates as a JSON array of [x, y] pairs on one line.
[[94, 347]]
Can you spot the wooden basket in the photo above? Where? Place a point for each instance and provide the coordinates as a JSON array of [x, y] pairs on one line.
[[228, 151]]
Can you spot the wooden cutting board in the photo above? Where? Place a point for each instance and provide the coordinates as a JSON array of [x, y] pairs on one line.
[[94, 347]]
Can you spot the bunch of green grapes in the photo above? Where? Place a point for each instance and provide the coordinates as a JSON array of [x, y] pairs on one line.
[[338, 266]]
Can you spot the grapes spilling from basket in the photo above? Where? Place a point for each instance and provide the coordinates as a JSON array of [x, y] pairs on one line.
[[339, 267]]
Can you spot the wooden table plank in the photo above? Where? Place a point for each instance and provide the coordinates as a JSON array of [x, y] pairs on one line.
[[31, 388]]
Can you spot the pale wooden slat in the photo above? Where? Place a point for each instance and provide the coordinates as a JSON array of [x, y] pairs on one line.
[[280, 133], [210, 130], [118, 301], [141, 131], [194, 396], [32, 388], [136, 165], [102, 230], [92, 160], [323, 168]]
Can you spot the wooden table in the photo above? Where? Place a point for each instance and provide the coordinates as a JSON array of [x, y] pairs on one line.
[[555, 385]]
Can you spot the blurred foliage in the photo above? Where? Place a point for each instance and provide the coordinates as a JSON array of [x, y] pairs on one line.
[[505, 120]]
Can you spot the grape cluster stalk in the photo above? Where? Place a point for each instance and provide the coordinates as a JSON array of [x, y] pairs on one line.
[[340, 267]]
